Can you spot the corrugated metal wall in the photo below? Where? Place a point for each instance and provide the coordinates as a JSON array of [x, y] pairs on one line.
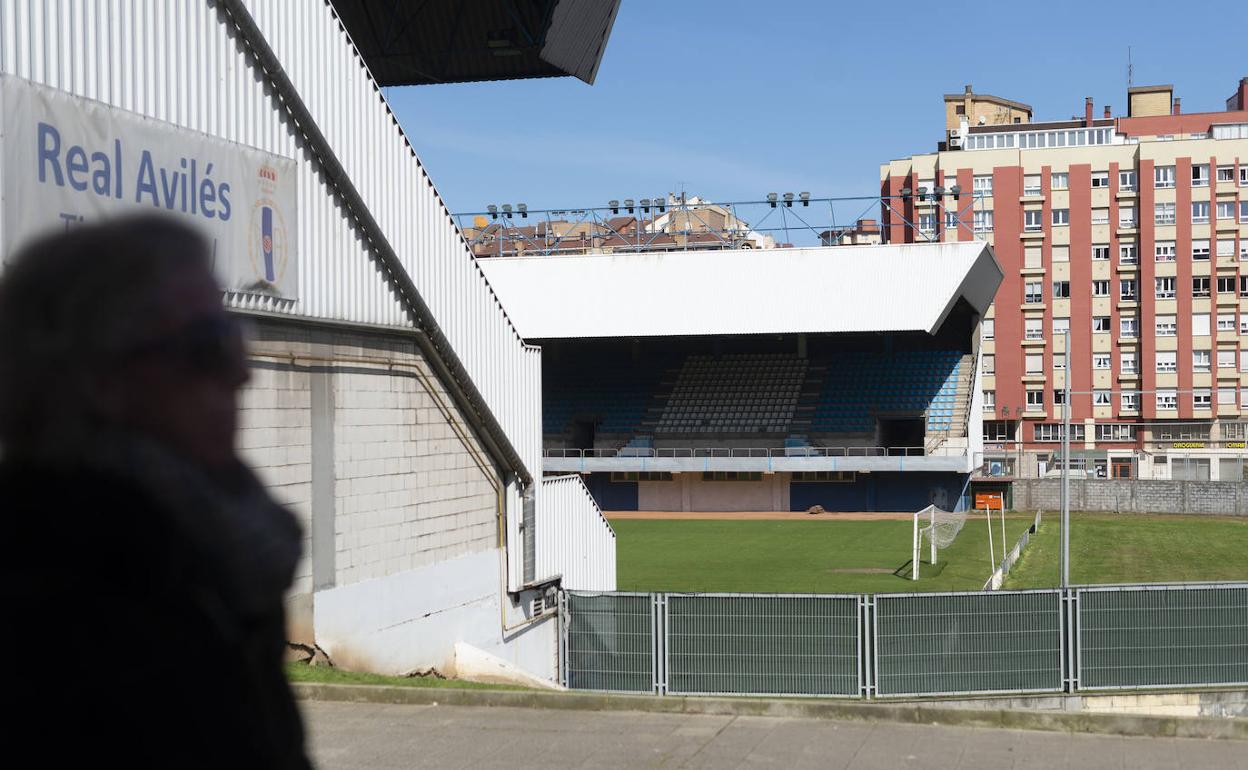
[[573, 537], [179, 61]]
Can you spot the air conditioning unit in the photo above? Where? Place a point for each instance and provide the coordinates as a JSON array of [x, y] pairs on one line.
[[954, 133], [955, 142]]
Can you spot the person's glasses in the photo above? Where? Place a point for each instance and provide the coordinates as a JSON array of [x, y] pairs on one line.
[[207, 345]]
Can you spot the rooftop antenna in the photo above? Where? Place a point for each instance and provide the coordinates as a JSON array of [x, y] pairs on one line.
[[1130, 69]]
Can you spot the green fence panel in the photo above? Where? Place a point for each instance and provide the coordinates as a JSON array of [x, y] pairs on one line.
[[1162, 636], [610, 642], [763, 644], [1004, 641]]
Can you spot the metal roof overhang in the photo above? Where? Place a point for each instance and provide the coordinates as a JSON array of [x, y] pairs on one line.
[[839, 289], [419, 42]]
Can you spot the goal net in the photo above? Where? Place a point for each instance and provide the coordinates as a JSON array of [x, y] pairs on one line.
[[939, 527]]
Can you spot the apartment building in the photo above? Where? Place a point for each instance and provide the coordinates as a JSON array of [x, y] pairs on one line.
[[1129, 231]]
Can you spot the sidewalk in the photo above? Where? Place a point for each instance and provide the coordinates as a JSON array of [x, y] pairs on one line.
[[378, 736]]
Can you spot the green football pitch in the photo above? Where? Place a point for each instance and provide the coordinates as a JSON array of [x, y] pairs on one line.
[[840, 556]]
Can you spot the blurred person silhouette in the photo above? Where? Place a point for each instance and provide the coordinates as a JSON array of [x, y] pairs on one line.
[[146, 565]]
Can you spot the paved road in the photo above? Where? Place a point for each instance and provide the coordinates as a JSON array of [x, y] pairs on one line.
[[349, 736]]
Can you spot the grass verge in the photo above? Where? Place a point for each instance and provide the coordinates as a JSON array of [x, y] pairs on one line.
[[302, 672]]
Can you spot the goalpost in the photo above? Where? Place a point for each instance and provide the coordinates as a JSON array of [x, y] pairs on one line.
[[941, 530]]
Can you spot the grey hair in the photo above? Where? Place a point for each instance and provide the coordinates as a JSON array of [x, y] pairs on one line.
[[70, 302]]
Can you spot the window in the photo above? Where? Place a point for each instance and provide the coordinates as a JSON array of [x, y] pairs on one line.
[[1059, 181], [1060, 254], [1243, 286], [1200, 398], [1127, 254], [1233, 431], [1059, 361], [1126, 181], [1100, 360], [641, 476], [1115, 432], [1126, 216], [1126, 289], [1034, 363], [1129, 401], [998, 430], [1060, 325], [731, 476], [987, 329], [1226, 173], [1033, 329], [983, 184], [1100, 216], [1163, 213], [983, 221], [1226, 248], [1167, 399], [1061, 217], [1226, 359], [927, 223], [1200, 175], [1243, 362], [1100, 179], [1200, 286], [1164, 287], [1127, 363], [1200, 249], [1200, 324], [1167, 361], [1243, 324], [1031, 184], [1200, 361], [1035, 399], [1163, 176], [1032, 222], [990, 399], [1226, 284], [1033, 293], [1200, 212], [1243, 175], [1101, 398], [1052, 431], [989, 363], [1059, 397], [1166, 326], [1100, 323], [1100, 252], [951, 220], [1100, 288], [1226, 210], [1226, 322], [1243, 212], [1164, 251], [1061, 289], [1129, 327]]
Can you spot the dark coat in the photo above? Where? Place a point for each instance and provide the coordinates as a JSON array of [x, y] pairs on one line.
[[121, 640]]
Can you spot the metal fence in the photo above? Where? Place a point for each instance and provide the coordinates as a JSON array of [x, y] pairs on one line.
[[906, 645]]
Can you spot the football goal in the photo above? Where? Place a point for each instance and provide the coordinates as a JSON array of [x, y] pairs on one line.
[[940, 527]]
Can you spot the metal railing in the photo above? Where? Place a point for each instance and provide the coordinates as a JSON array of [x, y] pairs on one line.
[[677, 223], [738, 452], [1081, 639]]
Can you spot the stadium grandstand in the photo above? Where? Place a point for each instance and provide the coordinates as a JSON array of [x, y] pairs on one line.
[[392, 404], [751, 380]]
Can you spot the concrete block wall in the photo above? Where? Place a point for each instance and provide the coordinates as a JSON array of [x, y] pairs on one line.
[[1226, 498], [354, 433]]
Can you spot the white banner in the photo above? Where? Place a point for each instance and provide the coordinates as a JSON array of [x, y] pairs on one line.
[[67, 160]]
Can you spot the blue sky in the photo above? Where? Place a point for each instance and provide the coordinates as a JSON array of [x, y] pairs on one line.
[[732, 100]]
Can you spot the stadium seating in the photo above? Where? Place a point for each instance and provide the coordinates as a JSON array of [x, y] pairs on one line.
[[618, 392], [859, 386], [740, 393]]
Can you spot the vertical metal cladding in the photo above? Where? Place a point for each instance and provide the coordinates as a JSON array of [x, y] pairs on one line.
[[181, 61], [1162, 636], [573, 537]]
